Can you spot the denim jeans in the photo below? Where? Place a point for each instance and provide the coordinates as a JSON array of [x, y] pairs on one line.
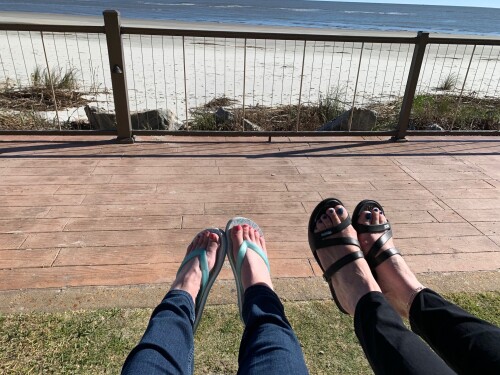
[[268, 345]]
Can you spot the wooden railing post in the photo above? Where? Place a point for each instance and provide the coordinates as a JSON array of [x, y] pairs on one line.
[[411, 85], [118, 76]]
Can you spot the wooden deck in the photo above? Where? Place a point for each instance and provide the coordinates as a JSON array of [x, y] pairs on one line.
[[86, 212]]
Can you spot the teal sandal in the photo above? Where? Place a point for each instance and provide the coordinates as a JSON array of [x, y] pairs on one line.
[[208, 277], [236, 263]]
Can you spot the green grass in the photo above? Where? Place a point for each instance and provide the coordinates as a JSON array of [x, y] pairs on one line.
[[455, 113], [97, 342]]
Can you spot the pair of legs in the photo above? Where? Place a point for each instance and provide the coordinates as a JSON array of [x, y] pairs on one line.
[[464, 343], [268, 344]]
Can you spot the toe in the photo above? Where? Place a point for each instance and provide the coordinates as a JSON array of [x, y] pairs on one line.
[[251, 234], [325, 219], [203, 244], [213, 242], [332, 215], [365, 218], [375, 216], [246, 232], [382, 218], [237, 235]]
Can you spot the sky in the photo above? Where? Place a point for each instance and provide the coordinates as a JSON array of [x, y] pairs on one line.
[[471, 3]]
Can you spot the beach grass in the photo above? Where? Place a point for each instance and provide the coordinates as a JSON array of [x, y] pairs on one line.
[[98, 341]]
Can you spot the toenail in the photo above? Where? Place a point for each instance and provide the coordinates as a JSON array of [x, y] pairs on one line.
[[368, 216], [375, 209], [330, 210], [324, 217], [237, 228], [340, 211]]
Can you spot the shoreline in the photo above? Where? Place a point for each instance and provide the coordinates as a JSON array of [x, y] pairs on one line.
[[78, 20]]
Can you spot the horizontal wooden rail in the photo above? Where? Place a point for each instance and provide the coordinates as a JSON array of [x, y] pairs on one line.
[[52, 28]]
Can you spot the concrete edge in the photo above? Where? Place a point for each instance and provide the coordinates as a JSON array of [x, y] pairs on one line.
[[223, 292]]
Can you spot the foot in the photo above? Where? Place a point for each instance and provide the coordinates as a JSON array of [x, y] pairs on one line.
[[254, 269], [189, 277], [355, 279], [398, 283]]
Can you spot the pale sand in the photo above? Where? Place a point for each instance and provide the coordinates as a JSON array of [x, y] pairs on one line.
[[155, 66]]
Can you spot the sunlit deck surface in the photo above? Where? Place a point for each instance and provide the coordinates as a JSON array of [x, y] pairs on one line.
[[84, 212]]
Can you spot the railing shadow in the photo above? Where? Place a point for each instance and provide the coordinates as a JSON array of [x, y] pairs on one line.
[[193, 149]]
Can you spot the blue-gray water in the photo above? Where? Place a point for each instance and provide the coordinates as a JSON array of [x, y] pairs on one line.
[[322, 14]]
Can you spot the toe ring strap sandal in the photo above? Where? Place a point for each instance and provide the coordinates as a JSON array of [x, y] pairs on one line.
[[371, 258], [319, 241]]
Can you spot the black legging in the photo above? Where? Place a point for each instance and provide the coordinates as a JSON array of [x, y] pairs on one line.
[[465, 344]]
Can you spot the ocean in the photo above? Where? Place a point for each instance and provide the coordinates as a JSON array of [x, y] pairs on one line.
[[303, 13]]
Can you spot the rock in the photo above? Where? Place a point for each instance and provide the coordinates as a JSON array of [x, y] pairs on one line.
[[99, 119], [157, 119], [434, 127], [362, 119], [223, 115]]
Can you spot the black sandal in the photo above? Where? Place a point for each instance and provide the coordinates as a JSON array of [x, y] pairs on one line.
[[318, 241], [374, 261]]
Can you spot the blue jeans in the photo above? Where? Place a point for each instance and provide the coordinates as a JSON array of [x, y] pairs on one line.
[[268, 345]]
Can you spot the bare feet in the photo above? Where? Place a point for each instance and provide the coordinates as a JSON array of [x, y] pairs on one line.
[[355, 279], [253, 269], [397, 281], [189, 277]]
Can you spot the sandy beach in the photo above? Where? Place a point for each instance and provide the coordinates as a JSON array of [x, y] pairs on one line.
[[267, 72]]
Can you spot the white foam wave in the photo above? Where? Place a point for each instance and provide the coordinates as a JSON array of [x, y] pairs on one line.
[[230, 6], [300, 9], [176, 4], [383, 13]]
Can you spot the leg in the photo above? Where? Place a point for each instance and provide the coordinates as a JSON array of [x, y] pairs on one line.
[[167, 346], [467, 344], [389, 347], [268, 345]]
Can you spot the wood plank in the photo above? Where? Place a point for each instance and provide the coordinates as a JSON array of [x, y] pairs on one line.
[[31, 225], [107, 189], [448, 176], [202, 179], [472, 204], [245, 209], [40, 200], [70, 171], [27, 258], [263, 220], [389, 176], [11, 240], [490, 228], [125, 210], [28, 190], [269, 170], [108, 238], [156, 162], [123, 223], [23, 212], [446, 245], [200, 197], [451, 186], [434, 230], [53, 180], [222, 187], [155, 170], [461, 262]]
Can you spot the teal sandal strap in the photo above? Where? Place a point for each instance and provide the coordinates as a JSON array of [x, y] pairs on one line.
[[205, 272], [243, 251]]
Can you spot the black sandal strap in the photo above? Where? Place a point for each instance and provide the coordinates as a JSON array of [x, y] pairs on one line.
[[322, 243], [383, 256], [341, 263], [377, 245], [363, 228], [333, 230]]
